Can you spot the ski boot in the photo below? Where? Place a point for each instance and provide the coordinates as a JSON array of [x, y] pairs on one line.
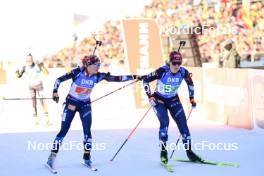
[[87, 154], [192, 156], [163, 153], [51, 159]]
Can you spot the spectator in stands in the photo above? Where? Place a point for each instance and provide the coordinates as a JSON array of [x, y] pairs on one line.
[[231, 58]]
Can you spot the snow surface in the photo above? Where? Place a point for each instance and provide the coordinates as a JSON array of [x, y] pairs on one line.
[[113, 119], [140, 155]]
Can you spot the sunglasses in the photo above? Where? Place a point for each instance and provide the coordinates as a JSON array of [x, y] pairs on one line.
[[97, 65], [176, 63]]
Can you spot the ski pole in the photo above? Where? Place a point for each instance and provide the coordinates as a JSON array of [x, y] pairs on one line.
[[97, 43], [130, 134], [180, 135], [114, 91], [44, 98], [182, 43]]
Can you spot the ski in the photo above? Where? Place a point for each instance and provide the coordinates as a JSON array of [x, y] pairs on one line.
[[206, 162], [52, 170], [167, 167], [90, 167]]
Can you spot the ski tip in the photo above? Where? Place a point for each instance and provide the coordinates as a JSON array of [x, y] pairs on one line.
[[94, 169], [168, 167], [90, 167], [50, 169], [55, 172], [237, 165], [229, 164]]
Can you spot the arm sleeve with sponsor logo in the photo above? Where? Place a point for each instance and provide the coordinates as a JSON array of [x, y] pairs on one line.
[[67, 76], [151, 77], [188, 79], [110, 78]]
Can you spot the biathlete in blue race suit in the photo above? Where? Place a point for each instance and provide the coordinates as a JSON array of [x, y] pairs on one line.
[[169, 78], [78, 100]]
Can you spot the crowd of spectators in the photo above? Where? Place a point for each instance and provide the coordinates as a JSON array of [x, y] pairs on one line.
[[222, 20], [112, 48]]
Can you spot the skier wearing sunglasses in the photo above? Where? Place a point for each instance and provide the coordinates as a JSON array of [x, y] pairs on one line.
[[169, 78], [78, 100]]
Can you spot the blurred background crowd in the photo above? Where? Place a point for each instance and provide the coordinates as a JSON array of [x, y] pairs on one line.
[[223, 22]]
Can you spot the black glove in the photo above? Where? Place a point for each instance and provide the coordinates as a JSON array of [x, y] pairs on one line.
[[139, 77], [192, 101], [107, 74], [55, 97], [152, 101]]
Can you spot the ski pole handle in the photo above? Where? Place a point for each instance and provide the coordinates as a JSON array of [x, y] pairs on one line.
[[182, 43]]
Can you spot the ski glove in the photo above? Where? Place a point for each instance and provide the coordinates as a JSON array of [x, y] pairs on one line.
[[152, 101], [193, 102], [139, 77], [55, 97]]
